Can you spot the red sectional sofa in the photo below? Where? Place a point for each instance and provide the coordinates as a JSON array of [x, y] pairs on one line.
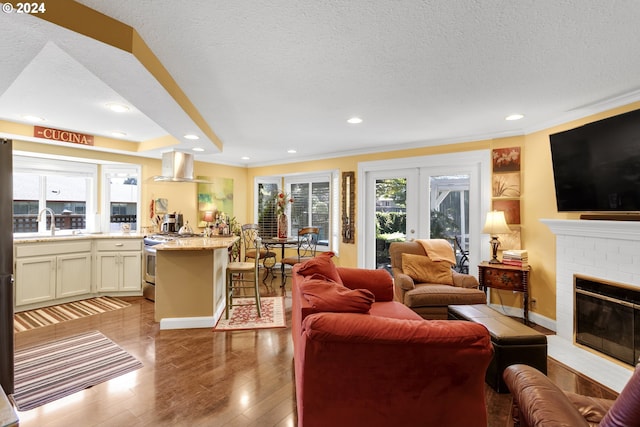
[[362, 359]]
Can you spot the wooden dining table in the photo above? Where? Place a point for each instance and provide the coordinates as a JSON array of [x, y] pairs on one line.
[[283, 242]]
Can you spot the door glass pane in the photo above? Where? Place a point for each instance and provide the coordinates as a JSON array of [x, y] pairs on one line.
[[391, 217], [449, 201]]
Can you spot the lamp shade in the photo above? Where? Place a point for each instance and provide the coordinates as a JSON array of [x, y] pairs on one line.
[[208, 216], [495, 223]]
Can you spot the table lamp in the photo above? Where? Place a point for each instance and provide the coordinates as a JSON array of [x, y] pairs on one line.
[[495, 224]]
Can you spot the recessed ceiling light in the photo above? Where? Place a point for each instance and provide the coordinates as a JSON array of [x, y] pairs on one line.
[[198, 149], [514, 117], [118, 134], [354, 120], [292, 151], [33, 118], [191, 136], [245, 158], [118, 108]]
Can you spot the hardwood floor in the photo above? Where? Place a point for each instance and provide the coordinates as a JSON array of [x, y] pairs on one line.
[[199, 377]]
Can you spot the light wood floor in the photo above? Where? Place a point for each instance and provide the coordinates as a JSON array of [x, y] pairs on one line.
[[202, 378]]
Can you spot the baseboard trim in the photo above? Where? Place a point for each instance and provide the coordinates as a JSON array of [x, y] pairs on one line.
[[187, 322]]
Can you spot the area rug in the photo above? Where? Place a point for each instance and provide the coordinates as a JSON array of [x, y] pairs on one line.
[[59, 368], [243, 315], [32, 319]]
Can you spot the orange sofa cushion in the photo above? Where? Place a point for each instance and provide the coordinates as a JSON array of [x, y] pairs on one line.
[[321, 264], [328, 296], [379, 281]]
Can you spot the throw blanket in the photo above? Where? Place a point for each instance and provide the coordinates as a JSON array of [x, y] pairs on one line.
[[438, 250]]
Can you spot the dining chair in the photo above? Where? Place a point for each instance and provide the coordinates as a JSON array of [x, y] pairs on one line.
[[243, 275], [307, 244], [463, 256], [249, 234]]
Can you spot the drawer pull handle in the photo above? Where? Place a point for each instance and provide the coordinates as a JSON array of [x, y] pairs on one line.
[[119, 244]]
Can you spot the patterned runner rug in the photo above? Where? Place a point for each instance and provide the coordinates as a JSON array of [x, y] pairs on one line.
[[31, 319], [243, 315], [59, 368]]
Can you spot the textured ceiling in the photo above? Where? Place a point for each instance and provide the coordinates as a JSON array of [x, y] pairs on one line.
[[268, 76]]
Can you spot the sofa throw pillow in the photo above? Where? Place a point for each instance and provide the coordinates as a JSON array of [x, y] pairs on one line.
[[422, 270], [325, 295], [321, 264]]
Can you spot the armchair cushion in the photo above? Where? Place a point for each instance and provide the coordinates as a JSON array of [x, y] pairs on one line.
[[325, 295], [321, 264], [464, 280], [421, 269]]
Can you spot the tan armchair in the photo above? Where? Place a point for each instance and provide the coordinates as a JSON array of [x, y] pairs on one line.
[[430, 299]]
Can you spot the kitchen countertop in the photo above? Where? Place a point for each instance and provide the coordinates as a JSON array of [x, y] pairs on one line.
[[197, 243], [66, 237]]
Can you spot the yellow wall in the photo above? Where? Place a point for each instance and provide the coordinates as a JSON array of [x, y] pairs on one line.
[[537, 198]]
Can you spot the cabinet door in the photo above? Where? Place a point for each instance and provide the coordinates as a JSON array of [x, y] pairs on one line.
[[35, 280], [131, 265], [107, 271], [74, 275]]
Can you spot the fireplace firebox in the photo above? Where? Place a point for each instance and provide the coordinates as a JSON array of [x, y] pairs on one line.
[[607, 318]]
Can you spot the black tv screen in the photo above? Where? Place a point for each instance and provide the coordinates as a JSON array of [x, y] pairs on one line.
[[596, 167]]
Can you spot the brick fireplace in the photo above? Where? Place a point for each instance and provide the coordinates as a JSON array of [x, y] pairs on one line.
[[608, 250]]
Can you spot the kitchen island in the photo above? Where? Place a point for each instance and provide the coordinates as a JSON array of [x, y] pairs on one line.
[[190, 281]]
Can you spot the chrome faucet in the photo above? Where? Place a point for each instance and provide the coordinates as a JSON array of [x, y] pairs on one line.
[[53, 219]]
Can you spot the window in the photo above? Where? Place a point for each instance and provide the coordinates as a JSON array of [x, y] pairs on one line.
[[315, 203], [70, 189], [311, 202], [121, 196], [67, 188]]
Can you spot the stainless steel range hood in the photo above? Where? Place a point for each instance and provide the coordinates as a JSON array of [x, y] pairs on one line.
[[177, 166]]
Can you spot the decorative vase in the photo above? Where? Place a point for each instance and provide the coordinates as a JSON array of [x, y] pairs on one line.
[[283, 226]]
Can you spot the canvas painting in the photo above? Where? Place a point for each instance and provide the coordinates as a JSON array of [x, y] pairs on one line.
[[511, 240], [506, 184], [215, 196], [506, 159], [511, 209]]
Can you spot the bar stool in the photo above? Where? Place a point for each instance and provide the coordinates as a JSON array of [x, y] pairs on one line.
[[236, 279], [249, 234]]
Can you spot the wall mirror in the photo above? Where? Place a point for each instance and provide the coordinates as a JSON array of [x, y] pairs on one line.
[[348, 206]]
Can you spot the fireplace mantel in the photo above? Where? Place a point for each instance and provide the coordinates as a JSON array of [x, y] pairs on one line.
[[620, 230]]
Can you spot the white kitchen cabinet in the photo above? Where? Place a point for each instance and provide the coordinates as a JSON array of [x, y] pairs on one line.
[[73, 275], [50, 271], [35, 280], [119, 265]]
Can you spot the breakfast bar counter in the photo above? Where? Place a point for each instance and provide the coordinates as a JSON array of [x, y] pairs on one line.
[[190, 281]]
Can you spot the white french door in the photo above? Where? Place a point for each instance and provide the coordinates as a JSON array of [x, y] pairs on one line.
[[380, 201], [422, 174]]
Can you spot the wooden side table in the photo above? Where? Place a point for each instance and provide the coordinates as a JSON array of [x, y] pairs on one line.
[[506, 277]]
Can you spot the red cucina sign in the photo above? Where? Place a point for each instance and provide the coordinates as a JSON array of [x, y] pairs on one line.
[[62, 135]]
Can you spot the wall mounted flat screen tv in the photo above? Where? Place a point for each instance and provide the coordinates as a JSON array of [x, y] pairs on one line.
[[596, 167]]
